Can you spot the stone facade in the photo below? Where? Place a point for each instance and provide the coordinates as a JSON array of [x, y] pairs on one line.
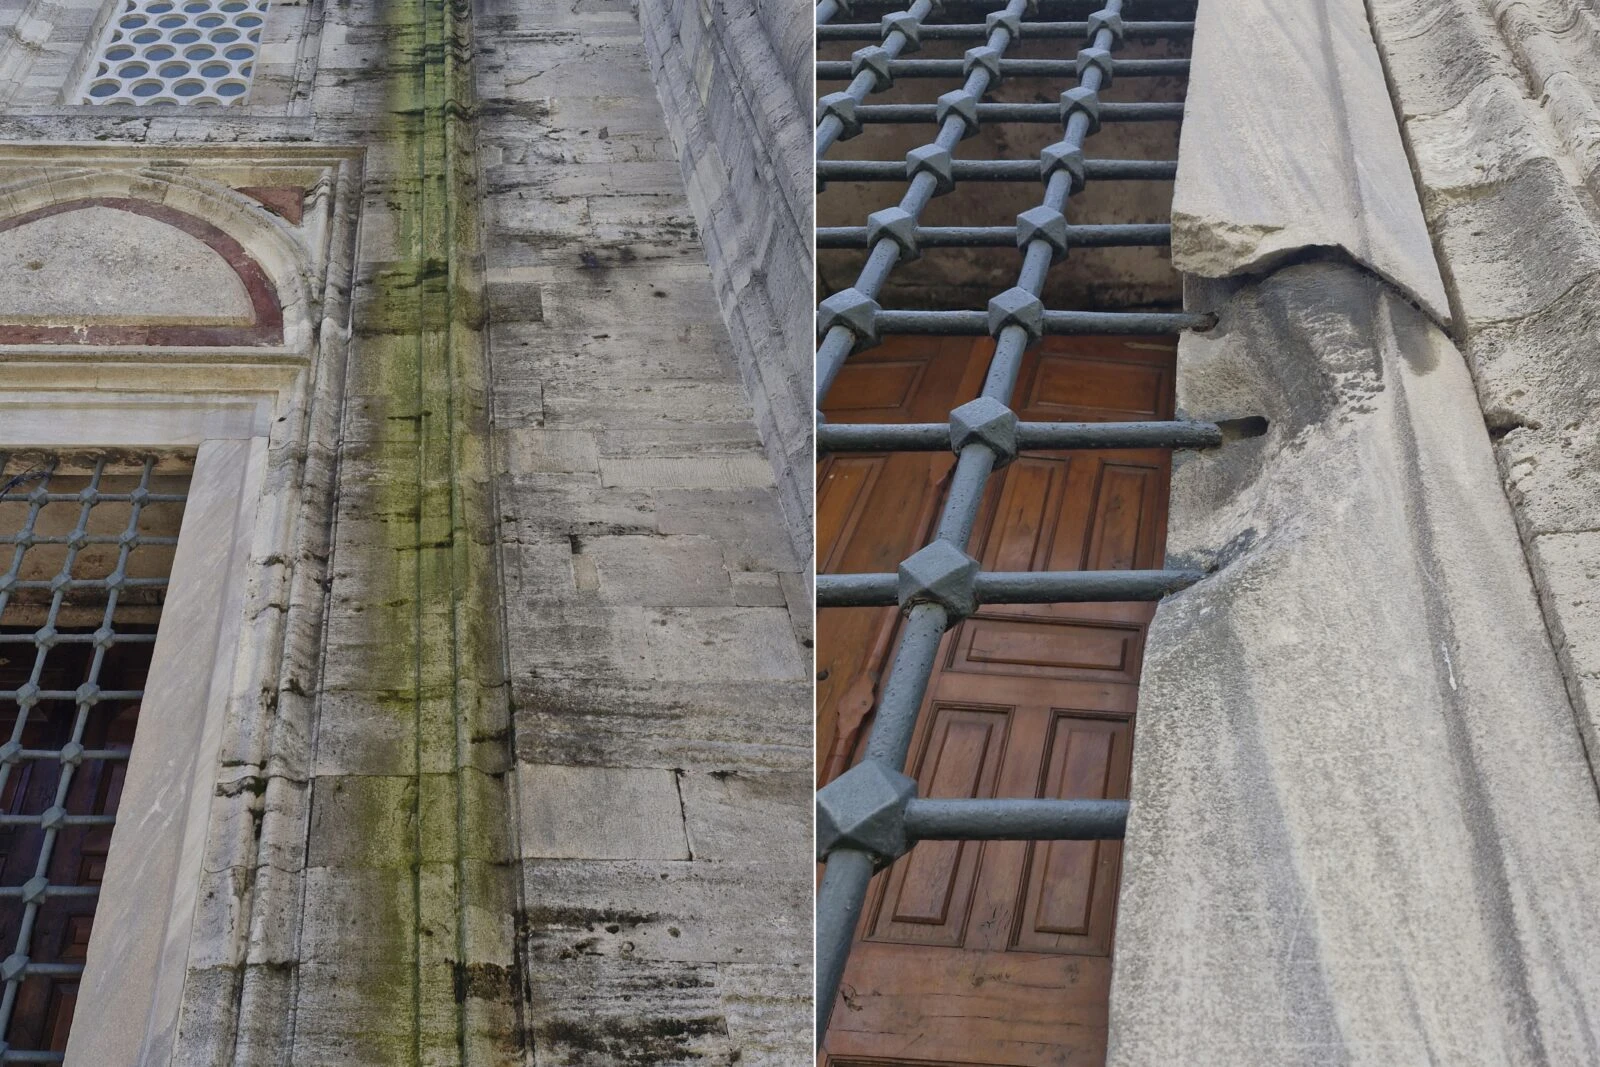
[[1363, 813], [1497, 102], [735, 83], [516, 762]]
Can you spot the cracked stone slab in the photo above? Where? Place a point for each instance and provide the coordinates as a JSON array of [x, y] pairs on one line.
[[600, 813], [1291, 143]]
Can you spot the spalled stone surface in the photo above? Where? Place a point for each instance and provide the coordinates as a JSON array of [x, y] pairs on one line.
[[1498, 103], [1260, 181], [1362, 817]]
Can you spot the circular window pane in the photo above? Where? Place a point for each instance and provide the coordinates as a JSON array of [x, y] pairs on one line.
[[215, 70], [174, 70], [224, 36], [146, 90], [189, 88], [146, 36], [247, 21], [158, 52], [210, 20], [238, 52], [159, 9], [117, 53], [200, 51], [133, 70], [132, 22], [231, 89], [172, 21], [101, 90]]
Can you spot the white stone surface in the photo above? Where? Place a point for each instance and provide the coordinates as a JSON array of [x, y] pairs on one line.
[[1499, 106], [600, 813], [150, 899], [100, 265], [1290, 144], [1364, 830]]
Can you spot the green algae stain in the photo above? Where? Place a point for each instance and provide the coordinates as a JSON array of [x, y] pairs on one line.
[[429, 575]]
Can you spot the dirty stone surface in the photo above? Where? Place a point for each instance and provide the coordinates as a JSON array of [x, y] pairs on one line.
[[734, 78], [1498, 103], [527, 448], [1259, 181], [657, 617], [1363, 827]]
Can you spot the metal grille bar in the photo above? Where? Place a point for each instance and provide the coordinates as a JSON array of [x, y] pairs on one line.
[[870, 815], [90, 585], [977, 31]]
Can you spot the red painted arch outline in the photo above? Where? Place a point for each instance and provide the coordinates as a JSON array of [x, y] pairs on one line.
[[267, 328]]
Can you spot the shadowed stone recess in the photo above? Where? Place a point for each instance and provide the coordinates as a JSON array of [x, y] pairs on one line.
[[1498, 103], [1363, 828]]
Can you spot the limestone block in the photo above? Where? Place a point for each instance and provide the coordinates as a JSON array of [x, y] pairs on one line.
[[768, 1011], [1330, 171], [688, 472], [551, 450], [1515, 247], [1508, 166], [692, 724], [726, 809], [754, 911], [660, 571], [600, 813], [1363, 826]]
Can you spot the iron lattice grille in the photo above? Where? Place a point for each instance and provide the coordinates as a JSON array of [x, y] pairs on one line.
[[91, 543], [871, 815]]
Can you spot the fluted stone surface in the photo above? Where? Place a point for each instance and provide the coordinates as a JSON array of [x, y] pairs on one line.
[[1364, 830], [1290, 144], [1498, 102], [734, 79]]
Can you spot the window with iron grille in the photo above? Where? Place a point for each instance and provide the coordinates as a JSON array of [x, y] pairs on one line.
[[956, 143], [199, 52], [88, 543]]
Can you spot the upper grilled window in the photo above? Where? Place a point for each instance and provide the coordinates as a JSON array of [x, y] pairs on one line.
[[177, 52]]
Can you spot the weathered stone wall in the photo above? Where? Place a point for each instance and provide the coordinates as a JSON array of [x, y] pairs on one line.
[[1361, 815], [734, 79], [540, 429], [1498, 103], [657, 610]]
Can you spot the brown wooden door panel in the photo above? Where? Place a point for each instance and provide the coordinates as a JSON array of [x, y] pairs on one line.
[[927, 899], [1040, 1009], [996, 952], [1068, 896]]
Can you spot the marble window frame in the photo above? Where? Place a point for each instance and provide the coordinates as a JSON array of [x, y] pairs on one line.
[[216, 964], [165, 839]]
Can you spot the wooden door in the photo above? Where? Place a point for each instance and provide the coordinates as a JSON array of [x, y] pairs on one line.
[[994, 953]]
